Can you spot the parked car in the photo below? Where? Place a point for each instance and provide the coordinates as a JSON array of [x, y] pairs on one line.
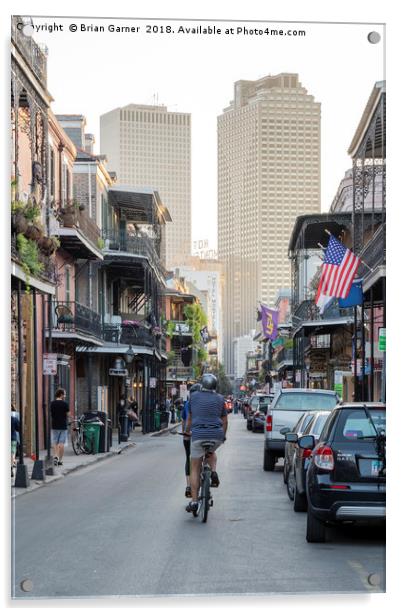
[[296, 484], [255, 402], [346, 477], [299, 428], [258, 416], [287, 407]]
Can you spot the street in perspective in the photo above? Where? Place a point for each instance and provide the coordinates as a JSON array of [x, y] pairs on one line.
[[198, 316]]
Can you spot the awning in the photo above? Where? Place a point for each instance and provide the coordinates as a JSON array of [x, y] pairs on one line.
[[138, 204], [76, 336], [73, 240], [325, 326]]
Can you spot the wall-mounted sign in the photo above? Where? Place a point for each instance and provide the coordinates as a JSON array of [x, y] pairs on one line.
[[117, 372], [152, 382], [50, 364]]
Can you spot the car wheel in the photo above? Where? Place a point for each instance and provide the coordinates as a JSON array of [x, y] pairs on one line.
[[285, 472], [269, 460], [299, 501], [315, 532], [253, 428], [290, 485]]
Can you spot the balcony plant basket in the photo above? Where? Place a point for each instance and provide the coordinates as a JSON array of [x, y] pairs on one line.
[[33, 231]]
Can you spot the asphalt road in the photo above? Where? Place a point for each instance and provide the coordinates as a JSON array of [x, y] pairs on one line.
[[120, 528]]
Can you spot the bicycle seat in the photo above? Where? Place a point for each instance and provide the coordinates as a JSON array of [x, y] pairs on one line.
[[207, 444]]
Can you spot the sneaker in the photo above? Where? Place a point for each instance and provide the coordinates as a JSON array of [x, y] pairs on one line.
[[55, 460], [59, 463], [188, 492], [191, 507], [214, 479]]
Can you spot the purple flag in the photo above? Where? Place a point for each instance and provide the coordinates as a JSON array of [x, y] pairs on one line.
[[269, 322]]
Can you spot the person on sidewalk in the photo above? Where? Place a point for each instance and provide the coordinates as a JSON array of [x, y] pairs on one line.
[[207, 420], [60, 413], [132, 413], [15, 430]]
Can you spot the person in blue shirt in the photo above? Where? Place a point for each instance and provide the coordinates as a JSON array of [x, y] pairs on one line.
[[187, 437], [207, 420]]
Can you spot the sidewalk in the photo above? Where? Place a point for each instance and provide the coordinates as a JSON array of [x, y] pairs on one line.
[[72, 462]]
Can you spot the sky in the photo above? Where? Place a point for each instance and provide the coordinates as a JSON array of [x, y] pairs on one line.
[[92, 72]]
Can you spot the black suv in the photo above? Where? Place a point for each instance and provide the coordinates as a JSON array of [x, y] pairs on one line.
[[346, 477]]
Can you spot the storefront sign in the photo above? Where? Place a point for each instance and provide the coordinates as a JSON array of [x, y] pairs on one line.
[[152, 382], [381, 339], [50, 364]]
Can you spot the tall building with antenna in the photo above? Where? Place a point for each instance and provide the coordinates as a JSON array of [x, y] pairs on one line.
[[147, 145]]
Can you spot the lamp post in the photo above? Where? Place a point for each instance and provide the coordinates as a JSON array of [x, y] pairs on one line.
[[307, 364], [128, 357]]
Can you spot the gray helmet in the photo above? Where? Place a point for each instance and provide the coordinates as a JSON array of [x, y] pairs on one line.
[[195, 387], [209, 381]]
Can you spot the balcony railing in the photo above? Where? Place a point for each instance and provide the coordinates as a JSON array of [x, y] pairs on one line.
[[73, 218], [373, 253], [30, 50], [136, 336], [284, 355], [123, 241], [72, 317]]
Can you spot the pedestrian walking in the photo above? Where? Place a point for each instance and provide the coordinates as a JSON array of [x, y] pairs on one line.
[[132, 413], [59, 412], [121, 412], [15, 431]]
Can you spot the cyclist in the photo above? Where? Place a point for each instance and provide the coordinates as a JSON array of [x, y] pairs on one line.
[[207, 420], [187, 437]]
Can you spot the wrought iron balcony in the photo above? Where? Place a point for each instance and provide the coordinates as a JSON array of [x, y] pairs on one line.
[[74, 318], [136, 336], [29, 49], [374, 252], [79, 235], [285, 356], [135, 245]]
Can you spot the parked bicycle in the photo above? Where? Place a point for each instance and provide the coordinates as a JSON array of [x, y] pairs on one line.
[[82, 441]]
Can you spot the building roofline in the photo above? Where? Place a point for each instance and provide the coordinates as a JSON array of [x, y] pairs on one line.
[[376, 93]]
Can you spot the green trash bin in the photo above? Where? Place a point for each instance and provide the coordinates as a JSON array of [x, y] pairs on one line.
[[157, 420], [91, 435]]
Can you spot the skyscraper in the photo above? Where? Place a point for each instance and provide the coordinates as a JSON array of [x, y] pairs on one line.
[[147, 145], [268, 173]]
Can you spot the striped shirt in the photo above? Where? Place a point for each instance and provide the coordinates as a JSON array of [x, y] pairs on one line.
[[207, 408]]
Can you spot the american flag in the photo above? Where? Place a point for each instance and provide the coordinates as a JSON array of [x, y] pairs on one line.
[[338, 270]]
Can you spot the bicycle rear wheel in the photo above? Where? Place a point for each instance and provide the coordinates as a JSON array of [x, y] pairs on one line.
[[205, 495], [88, 444]]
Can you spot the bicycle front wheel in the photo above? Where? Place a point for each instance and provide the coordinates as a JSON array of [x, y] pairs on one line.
[[205, 496], [76, 442]]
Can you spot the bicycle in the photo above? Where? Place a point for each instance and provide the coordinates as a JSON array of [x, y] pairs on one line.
[[79, 440], [205, 500]]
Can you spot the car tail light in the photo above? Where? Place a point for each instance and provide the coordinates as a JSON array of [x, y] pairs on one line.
[[306, 453], [338, 487], [269, 423], [324, 458]]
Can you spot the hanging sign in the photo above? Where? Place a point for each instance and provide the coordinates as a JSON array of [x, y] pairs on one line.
[[50, 364]]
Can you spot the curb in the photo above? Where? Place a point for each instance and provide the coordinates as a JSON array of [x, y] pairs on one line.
[[164, 430], [15, 492]]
